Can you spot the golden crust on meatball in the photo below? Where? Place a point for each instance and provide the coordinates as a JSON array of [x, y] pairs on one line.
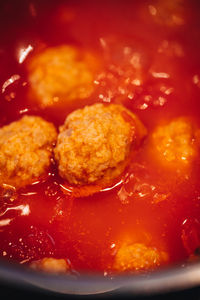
[[94, 143], [25, 150], [60, 74], [137, 256], [176, 143], [51, 265]]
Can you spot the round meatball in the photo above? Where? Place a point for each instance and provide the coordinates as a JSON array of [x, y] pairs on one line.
[[25, 150], [60, 74], [94, 143], [176, 143], [50, 265], [135, 257]]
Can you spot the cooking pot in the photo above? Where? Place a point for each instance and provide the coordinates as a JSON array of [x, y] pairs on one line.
[[176, 278], [173, 278]]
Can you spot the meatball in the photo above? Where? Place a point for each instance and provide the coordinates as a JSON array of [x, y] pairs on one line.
[[176, 143], [62, 73], [94, 143], [25, 150], [50, 265], [135, 257]]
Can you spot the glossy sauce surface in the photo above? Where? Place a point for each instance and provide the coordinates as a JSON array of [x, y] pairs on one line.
[[149, 203]]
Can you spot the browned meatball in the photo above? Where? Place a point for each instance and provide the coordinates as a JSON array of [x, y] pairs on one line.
[[94, 143], [137, 256], [51, 265], [176, 143], [61, 74], [25, 150]]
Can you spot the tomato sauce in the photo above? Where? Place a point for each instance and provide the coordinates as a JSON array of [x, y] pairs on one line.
[[148, 204]]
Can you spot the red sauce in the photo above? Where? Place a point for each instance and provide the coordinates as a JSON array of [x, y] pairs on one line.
[[148, 203]]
